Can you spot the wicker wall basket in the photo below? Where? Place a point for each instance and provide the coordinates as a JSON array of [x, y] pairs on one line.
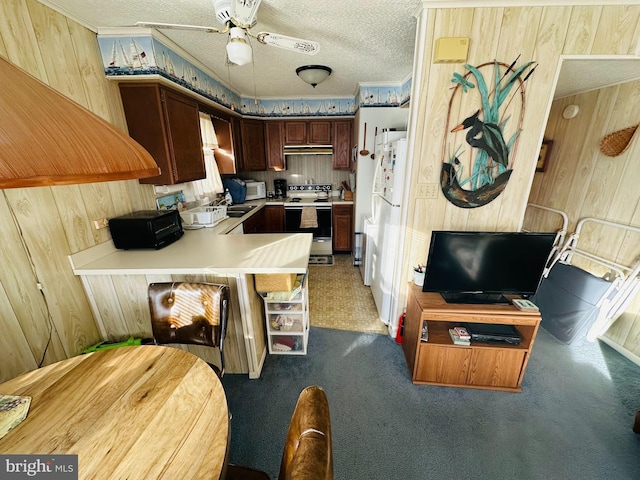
[[617, 143]]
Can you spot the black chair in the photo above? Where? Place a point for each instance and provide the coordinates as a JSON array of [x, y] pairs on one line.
[[190, 313]]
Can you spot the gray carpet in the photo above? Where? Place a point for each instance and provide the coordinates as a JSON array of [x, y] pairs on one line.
[[573, 419]]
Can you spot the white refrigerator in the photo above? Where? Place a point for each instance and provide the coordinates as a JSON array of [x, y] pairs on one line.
[[366, 172], [387, 197]]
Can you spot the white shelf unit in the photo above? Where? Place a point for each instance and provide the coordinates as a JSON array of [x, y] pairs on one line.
[[288, 323]]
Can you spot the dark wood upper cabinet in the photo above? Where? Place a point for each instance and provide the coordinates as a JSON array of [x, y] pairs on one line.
[[319, 132], [342, 144], [225, 153], [275, 144], [253, 145], [236, 128], [295, 133], [307, 132], [167, 125]]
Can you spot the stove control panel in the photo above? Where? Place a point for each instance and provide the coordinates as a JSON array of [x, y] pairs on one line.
[[313, 188]]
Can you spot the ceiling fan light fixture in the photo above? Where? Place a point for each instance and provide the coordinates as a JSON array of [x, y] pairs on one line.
[[313, 74], [238, 49], [223, 9]]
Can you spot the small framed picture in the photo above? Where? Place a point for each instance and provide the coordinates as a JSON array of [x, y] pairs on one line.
[[545, 154]]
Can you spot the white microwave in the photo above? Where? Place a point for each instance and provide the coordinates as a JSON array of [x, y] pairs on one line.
[[256, 190]]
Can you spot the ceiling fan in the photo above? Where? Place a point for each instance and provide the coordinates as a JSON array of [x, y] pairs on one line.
[[238, 16]]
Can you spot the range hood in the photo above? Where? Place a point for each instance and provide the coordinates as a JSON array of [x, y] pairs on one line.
[[308, 150], [47, 139]]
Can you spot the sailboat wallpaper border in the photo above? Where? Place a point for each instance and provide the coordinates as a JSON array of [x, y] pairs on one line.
[[132, 55]]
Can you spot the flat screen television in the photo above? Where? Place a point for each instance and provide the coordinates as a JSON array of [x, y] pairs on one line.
[[480, 267]]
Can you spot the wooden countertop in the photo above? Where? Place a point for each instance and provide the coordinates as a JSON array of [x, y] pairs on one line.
[[142, 412]]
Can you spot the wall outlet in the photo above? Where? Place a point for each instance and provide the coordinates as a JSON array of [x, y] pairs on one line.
[[100, 223], [428, 190]]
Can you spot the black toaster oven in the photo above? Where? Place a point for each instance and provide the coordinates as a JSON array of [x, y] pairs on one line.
[[146, 229]]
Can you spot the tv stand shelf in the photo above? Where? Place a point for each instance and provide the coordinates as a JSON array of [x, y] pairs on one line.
[[494, 366]]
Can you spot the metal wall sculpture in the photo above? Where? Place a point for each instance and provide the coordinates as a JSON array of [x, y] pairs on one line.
[[479, 151]]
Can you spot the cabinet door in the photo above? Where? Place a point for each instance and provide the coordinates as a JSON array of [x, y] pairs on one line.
[[225, 153], [255, 223], [319, 132], [275, 144], [236, 132], [253, 144], [442, 364], [295, 133], [496, 367], [182, 117], [342, 227], [274, 222], [342, 145], [167, 125]]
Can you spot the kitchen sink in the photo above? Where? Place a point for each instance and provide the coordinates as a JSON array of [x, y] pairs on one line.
[[236, 211], [246, 208]]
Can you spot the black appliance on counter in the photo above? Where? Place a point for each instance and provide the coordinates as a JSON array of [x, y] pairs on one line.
[[280, 187], [146, 229]]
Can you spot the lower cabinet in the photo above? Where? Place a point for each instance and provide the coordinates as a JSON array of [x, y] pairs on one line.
[[274, 219], [342, 228], [255, 223], [437, 361]]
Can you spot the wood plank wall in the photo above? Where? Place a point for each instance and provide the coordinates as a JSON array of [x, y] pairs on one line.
[[41, 226], [542, 34], [583, 182]]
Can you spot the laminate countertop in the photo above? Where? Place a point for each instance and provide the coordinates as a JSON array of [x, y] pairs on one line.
[[200, 252]]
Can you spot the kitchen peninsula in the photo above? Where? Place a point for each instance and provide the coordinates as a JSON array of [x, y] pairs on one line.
[[116, 284]]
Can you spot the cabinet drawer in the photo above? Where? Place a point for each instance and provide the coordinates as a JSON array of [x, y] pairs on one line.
[[286, 323]]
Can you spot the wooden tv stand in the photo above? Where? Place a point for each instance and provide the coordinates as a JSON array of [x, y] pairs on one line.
[[494, 366]]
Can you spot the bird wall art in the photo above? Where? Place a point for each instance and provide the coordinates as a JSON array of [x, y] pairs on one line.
[[479, 150]]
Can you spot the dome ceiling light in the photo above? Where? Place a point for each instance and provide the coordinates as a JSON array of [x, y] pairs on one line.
[[313, 74]]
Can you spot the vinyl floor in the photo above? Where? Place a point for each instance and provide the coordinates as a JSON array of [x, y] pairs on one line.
[[338, 299]]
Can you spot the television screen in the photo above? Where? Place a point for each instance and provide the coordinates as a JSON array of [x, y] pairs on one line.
[[464, 266]]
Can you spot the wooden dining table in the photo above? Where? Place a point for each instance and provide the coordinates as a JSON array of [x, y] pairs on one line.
[[139, 412]]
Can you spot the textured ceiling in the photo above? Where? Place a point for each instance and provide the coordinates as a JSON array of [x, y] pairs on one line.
[[583, 75], [363, 41]]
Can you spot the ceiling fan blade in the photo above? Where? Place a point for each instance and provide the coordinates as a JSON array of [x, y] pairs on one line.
[[176, 26], [244, 12], [288, 43]]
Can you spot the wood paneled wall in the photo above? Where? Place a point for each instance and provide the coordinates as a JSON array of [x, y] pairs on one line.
[[43, 306], [542, 34], [41, 226], [583, 182]]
